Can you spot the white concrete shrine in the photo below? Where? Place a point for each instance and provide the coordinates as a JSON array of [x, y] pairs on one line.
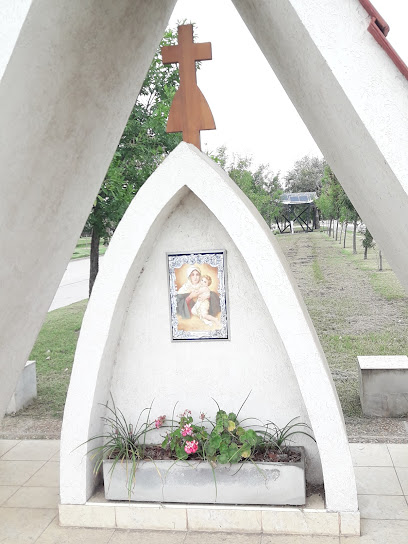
[[125, 349]]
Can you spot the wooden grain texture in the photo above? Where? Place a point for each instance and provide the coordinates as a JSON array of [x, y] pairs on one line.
[[189, 112]]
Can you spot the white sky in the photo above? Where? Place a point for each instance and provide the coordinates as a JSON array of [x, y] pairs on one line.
[[242, 90]]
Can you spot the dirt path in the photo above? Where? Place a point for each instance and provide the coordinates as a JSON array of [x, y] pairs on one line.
[[351, 319]]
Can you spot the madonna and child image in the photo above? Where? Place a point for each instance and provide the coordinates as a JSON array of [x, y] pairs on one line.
[[198, 295]]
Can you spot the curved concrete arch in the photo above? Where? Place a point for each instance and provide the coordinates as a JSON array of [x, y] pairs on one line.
[[130, 246]]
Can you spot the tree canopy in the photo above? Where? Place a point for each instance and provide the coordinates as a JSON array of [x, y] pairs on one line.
[[305, 176], [142, 147], [260, 185]]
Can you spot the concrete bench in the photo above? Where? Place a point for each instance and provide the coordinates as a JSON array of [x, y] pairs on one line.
[[383, 385], [26, 390]]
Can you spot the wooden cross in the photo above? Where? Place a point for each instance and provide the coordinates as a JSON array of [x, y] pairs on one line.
[[189, 112]]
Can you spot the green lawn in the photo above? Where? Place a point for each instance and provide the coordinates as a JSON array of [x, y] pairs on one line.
[[83, 248], [54, 352]]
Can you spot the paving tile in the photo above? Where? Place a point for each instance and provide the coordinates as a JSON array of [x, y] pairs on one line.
[[47, 476], [402, 474], [86, 515], [6, 445], [350, 523], [380, 532], [56, 456], [298, 539], [315, 502], [54, 534], [383, 507], [34, 497], [228, 520], [23, 525], [32, 450], [18, 472], [377, 481], [222, 538], [121, 536], [370, 455], [399, 454], [152, 517], [7, 491], [295, 521]]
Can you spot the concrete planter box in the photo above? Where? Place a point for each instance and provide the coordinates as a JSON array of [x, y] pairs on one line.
[[193, 482]]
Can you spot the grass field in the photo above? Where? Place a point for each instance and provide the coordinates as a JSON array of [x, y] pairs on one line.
[[54, 352], [356, 310], [83, 248]]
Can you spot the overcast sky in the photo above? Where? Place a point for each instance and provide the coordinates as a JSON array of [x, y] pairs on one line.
[[252, 112]]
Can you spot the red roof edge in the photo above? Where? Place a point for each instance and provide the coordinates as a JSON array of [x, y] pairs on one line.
[[379, 29], [379, 21]]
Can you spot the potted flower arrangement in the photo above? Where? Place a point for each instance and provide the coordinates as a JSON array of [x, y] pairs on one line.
[[225, 461]]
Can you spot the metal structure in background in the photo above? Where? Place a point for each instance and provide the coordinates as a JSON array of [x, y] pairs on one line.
[[298, 207]]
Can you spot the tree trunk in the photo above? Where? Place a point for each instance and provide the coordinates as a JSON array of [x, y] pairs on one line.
[[316, 219], [337, 229], [344, 239], [365, 252], [94, 261], [380, 263], [355, 238], [341, 231], [330, 227]]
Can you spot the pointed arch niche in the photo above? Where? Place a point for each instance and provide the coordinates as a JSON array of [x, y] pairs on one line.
[[124, 349]]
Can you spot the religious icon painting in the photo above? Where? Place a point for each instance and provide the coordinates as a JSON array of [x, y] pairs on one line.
[[198, 297]]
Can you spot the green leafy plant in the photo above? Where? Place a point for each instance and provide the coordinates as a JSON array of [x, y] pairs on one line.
[[229, 441], [122, 441]]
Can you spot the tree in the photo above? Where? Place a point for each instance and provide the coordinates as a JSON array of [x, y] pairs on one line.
[[331, 199], [306, 175], [261, 186], [142, 147], [367, 242], [351, 216], [113, 198]]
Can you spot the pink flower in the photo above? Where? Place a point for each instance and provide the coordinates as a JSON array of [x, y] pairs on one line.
[[159, 421], [187, 430], [202, 416], [191, 447]]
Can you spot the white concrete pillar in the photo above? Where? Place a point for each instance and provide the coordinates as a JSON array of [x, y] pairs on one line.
[[66, 93]]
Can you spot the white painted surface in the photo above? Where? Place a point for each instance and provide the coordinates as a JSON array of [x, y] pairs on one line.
[[214, 519], [65, 96], [26, 390], [123, 273], [149, 366], [383, 362]]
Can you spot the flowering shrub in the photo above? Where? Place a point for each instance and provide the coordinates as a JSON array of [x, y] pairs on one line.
[[187, 438], [228, 441]]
